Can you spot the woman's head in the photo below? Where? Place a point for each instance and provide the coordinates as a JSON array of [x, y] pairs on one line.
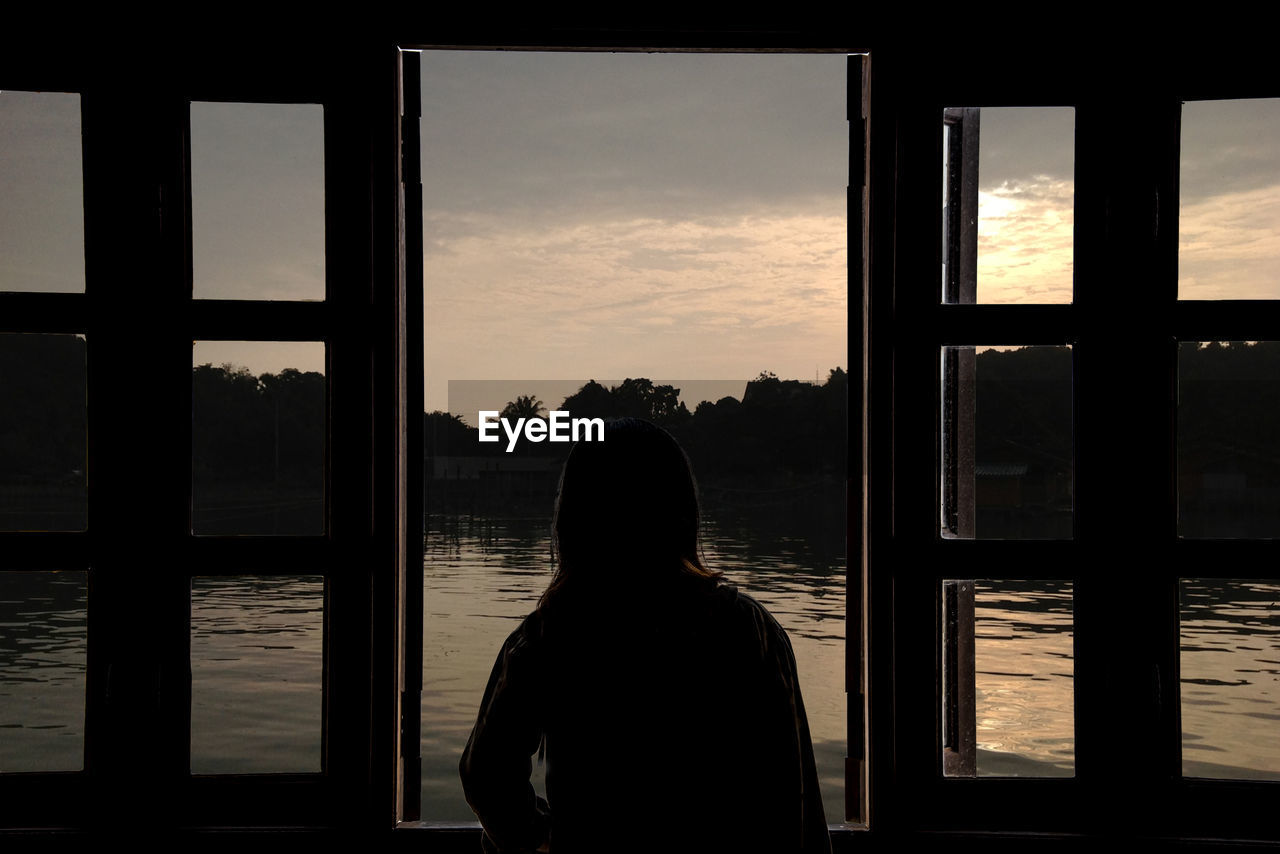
[[628, 507]]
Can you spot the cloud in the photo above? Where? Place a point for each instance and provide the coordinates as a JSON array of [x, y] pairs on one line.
[[724, 296], [1228, 147], [257, 200], [633, 215], [1019, 143], [553, 134], [1229, 245], [1026, 241]]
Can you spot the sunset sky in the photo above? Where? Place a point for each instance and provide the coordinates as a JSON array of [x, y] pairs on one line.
[[617, 215], [601, 216], [1026, 203]]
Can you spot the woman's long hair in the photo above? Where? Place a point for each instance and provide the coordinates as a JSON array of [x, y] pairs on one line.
[[627, 513]]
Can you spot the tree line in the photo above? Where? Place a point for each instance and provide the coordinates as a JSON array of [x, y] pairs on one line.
[[270, 427], [781, 430]]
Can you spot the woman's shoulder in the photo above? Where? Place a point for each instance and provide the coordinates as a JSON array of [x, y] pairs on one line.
[[528, 633], [743, 603], [750, 617]]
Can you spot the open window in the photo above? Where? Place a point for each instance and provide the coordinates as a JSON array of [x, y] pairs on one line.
[[1095, 340], [191, 281], [597, 230]]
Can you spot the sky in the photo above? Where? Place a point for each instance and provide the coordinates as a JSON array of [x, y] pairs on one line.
[[1026, 188], [1229, 202], [604, 216], [42, 192], [257, 201]]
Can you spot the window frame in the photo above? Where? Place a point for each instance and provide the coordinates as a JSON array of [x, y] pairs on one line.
[[1125, 302], [138, 252], [1125, 309], [854, 674]]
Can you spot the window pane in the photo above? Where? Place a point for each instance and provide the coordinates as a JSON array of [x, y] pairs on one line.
[[257, 201], [43, 627], [1008, 679], [1229, 439], [652, 217], [1006, 457], [258, 437], [1229, 200], [483, 574], [1008, 204], [42, 185], [256, 674], [1230, 663], [43, 439]]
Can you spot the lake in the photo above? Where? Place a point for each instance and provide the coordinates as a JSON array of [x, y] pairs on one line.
[[257, 658]]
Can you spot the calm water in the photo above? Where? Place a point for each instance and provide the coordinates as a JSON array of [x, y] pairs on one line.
[[1023, 674], [43, 622], [256, 660], [483, 576], [1230, 661], [256, 674]]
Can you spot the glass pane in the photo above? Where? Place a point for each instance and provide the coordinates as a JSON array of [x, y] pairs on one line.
[[1229, 200], [1230, 661], [1007, 460], [1008, 204], [42, 188], [256, 674], [1008, 679], [1229, 439], [258, 437], [43, 633], [43, 433], [483, 574], [661, 221], [257, 201]]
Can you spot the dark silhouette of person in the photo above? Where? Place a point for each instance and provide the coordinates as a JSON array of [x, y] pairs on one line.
[[665, 699]]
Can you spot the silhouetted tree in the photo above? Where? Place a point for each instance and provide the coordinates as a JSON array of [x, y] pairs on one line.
[[524, 406], [444, 433], [591, 401]]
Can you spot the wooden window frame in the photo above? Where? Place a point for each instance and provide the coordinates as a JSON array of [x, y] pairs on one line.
[[1124, 307], [137, 245], [843, 831], [139, 548], [1124, 311]]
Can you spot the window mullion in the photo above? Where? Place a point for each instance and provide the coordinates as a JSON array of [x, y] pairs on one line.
[[411, 641], [1124, 370], [139, 451]]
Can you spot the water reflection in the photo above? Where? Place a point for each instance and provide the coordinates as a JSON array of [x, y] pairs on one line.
[[257, 647], [1024, 678], [483, 575], [256, 674], [43, 619], [1230, 661]]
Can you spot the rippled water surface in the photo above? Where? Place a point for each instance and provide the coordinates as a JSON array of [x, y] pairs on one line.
[[1024, 675], [42, 670], [1231, 679], [483, 576], [256, 674], [257, 647]]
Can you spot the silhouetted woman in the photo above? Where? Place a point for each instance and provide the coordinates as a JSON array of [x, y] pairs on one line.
[[666, 700]]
